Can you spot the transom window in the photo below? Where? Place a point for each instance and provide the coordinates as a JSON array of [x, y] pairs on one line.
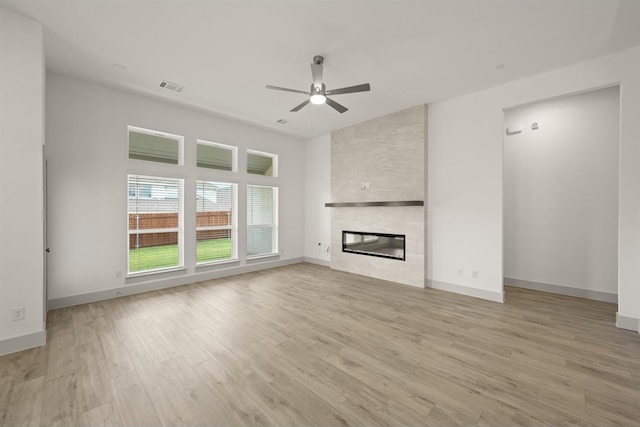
[[260, 163], [217, 156], [155, 146]]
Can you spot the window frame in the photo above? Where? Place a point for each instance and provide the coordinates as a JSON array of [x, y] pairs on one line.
[[232, 148], [233, 227], [275, 215], [179, 139], [179, 229], [274, 162]]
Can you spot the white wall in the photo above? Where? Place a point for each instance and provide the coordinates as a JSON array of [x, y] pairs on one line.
[[88, 162], [464, 195], [561, 192], [317, 192], [21, 186], [465, 175]]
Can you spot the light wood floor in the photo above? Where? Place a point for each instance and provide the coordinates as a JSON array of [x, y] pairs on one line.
[[305, 345]]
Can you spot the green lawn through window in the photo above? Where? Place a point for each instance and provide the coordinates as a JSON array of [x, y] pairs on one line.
[[167, 256]]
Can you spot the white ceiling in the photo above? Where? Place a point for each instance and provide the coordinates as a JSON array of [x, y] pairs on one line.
[[411, 52]]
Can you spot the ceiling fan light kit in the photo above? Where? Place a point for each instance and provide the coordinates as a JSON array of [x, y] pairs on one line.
[[318, 92], [317, 95]]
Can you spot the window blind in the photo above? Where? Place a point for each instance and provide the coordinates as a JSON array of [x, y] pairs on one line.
[[260, 163], [154, 146], [262, 220], [155, 223], [215, 221], [215, 156]]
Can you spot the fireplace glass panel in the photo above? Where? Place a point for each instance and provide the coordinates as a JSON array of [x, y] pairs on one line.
[[374, 244]]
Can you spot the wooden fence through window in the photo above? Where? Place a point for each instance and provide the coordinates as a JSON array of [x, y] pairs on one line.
[[156, 221]]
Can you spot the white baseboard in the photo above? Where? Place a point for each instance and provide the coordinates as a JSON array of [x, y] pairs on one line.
[[465, 290], [153, 285], [23, 342], [630, 323], [562, 290], [318, 261]]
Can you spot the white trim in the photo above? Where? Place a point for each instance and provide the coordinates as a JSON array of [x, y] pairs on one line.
[[214, 263], [630, 323], [212, 227], [154, 271], [169, 282], [562, 290], [465, 290], [262, 256], [23, 342], [154, 230], [318, 261]]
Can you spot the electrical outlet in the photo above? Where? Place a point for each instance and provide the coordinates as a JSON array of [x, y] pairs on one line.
[[119, 274], [459, 271], [474, 274], [17, 313]]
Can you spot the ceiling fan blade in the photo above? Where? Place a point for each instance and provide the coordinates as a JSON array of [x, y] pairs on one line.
[[316, 72], [351, 89], [286, 90], [333, 104], [299, 107]]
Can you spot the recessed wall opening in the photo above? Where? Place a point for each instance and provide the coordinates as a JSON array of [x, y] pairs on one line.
[[374, 244], [560, 195]]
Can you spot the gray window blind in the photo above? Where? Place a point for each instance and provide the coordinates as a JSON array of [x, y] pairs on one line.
[[262, 220], [259, 163], [154, 147], [213, 156]]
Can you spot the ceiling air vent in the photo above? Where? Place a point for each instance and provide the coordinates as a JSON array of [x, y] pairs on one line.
[[171, 86]]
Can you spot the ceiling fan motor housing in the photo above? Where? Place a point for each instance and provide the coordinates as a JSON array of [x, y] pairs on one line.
[[315, 90]]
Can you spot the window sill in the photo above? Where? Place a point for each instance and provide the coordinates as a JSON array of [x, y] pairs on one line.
[[260, 257], [156, 272], [203, 265]]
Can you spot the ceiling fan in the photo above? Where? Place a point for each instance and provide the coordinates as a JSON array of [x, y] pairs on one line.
[[319, 93]]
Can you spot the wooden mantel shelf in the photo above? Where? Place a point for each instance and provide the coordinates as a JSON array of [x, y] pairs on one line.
[[369, 204]]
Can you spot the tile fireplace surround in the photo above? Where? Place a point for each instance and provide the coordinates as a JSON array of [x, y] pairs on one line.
[[381, 160]]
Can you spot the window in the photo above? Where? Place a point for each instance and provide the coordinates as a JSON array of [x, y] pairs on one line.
[[216, 156], [155, 146], [155, 223], [262, 220], [260, 163], [216, 220]]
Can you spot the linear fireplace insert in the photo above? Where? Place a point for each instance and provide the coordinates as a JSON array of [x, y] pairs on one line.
[[374, 244]]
